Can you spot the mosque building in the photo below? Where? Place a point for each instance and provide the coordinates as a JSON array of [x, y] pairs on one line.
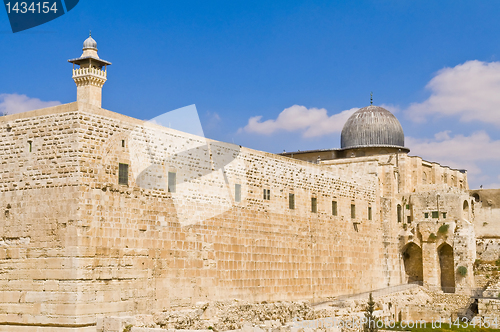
[[104, 214]]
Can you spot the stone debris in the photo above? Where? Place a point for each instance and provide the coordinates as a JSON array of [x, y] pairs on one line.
[[300, 316], [232, 315]]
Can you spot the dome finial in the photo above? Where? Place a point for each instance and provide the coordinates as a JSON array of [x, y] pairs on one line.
[[371, 98], [90, 43]]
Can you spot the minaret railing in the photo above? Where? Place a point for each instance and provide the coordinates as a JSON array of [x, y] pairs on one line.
[[89, 71]]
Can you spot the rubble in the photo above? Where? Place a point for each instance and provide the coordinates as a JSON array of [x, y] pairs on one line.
[[243, 316]]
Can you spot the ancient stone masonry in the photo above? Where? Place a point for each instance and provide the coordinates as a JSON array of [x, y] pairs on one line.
[[106, 215], [77, 245], [485, 206]]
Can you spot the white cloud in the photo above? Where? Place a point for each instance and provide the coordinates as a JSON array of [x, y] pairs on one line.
[[213, 116], [478, 146], [443, 136], [492, 185], [460, 152], [312, 122], [14, 103], [469, 91], [391, 108], [212, 121]]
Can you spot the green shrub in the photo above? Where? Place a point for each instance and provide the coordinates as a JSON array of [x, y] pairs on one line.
[[370, 308], [443, 229], [497, 262], [432, 236], [462, 270], [128, 328]]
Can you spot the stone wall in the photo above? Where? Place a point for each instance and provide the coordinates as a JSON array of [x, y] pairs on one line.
[[489, 309], [39, 198], [486, 209], [488, 249], [77, 245], [418, 198]]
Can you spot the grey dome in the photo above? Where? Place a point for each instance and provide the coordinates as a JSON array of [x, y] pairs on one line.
[[372, 126], [90, 43]]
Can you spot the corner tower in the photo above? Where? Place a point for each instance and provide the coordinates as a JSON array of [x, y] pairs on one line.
[[90, 76]]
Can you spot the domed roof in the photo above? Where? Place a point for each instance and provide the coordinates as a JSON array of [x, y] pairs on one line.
[[90, 43], [372, 126]]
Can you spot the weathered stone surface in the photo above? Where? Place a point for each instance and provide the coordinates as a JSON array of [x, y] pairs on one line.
[[105, 217], [77, 245]]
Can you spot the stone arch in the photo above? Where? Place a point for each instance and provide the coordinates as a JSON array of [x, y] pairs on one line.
[[466, 210], [412, 259], [447, 268]]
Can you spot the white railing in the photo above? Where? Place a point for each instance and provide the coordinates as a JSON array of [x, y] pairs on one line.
[[89, 71]]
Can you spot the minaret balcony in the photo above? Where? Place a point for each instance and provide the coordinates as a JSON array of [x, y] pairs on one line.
[[81, 72]]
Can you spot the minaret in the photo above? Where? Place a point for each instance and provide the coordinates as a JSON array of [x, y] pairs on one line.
[[90, 76]]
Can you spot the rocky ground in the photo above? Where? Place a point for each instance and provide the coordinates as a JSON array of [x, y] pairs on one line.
[[280, 316], [230, 315], [243, 316]]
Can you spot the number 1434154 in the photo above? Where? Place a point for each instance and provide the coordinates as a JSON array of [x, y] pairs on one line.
[[31, 7]]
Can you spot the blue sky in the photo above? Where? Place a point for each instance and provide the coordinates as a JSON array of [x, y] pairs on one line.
[[302, 66]]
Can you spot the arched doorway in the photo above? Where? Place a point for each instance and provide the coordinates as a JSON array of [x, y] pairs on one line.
[[447, 268], [412, 259], [466, 210]]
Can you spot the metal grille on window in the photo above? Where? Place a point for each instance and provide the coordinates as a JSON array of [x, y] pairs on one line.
[[237, 193], [267, 194], [334, 208], [171, 182], [123, 174]]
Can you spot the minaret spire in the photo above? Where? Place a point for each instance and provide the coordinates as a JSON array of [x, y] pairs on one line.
[[371, 98], [91, 76]]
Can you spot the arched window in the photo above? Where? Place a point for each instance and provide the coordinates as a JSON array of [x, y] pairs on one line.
[[424, 178], [466, 210]]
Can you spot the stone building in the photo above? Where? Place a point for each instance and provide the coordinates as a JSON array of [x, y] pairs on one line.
[[104, 214]]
